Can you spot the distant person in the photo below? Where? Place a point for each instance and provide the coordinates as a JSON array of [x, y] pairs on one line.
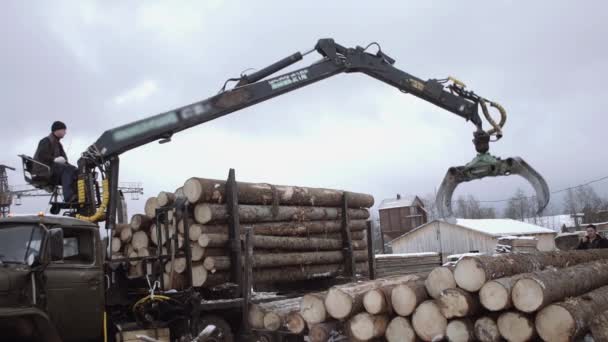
[[50, 152], [592, 240]]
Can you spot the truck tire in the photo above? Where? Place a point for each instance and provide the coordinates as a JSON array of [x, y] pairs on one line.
[[222, 333]]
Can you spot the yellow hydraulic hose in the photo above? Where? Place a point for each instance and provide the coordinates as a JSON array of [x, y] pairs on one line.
[[101, 211]]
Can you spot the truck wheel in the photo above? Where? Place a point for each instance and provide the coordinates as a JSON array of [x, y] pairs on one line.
[[222, 332]]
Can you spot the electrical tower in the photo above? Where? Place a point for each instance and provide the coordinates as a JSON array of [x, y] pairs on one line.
[[6, 197]]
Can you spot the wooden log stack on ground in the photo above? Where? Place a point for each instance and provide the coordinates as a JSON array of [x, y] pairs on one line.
[[562, 296]]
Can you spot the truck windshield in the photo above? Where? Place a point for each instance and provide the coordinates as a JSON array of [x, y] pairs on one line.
[[17, 242]]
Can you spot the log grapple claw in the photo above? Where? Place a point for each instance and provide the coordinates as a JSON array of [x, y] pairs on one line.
[[486, 165]]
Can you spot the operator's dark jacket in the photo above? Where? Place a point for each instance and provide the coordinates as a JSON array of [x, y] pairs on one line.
[[598, 242], [48, 149]]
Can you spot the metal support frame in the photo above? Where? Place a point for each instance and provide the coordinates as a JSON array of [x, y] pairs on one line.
[[350, 270], [234, 230], [247, 282], [371, 257]]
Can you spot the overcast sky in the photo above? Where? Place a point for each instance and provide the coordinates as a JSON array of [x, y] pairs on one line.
[[97, 65]]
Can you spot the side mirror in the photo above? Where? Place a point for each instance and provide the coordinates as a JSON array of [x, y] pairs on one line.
[[56, 244]]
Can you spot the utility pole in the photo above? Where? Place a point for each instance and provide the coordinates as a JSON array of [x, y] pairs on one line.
[[6, 197]]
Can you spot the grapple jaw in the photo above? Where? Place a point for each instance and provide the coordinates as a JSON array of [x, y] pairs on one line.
[[486, 165]]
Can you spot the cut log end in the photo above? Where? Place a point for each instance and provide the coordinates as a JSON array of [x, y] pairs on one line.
[[486, 330], [555, 323], [338, 304], [400, 330], [193, 190], [364, 326], [294, 322], [527, 295], [256, 317], [403, 300], [272, 321], [202, 213], [374, 302], [459, 331], [494, 296], [312, 308], [516, 327], [428, 322], [440, 278], [469, 274], [457, 303]]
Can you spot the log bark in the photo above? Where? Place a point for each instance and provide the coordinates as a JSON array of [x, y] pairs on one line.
[[140, 239], [400, 330], [599, 327], [460, 330], [570, 319], [495, 295], [440, 278], [282, 242], [378, 301], [428, 322], [344, 301], [292, 228], [406, 297], [116, 245], [455, 303], [126, 234], [312, 308], [285, 259], [321, 332], [486, 330], [276, 317], [165, 198], [536, 290], [151, 206], [516, 327], [472, 272], [288, 274], [365, 327], [214, 191], [204, 213], [141, 222]]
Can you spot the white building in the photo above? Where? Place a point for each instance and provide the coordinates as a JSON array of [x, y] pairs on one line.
[[466, 236]]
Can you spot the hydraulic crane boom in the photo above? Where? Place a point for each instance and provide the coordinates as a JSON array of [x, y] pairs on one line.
[[449, 94]]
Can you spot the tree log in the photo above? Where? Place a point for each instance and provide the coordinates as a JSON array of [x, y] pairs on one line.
[[199, 273], [292, 228], [472, 272], [164, 237], [486, 330], [440, 278], [151, 206], [295, 323], [133, 254], [406, 297], [288, 274], [321, 332], [460, 330], [599, 327], [196, 252], [116, 245], [282, 242], [495, 295], [141, 222], [455, 303], [194, 232], [140, 239], [365, 327], [428, 322], [165, 198], [179, 265], [378, 301], [286, 259], [276, 316], [118, 228], [400, 330], [204, 212], [516, 327], [178, 281], [126, 234], [214, 191], [570, 319], [312, 308], [567, 241], [536, 290]]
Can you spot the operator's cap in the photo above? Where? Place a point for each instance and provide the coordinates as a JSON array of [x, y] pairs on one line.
[[57, 125]]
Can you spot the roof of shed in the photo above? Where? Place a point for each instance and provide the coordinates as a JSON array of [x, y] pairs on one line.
[[404, 201]]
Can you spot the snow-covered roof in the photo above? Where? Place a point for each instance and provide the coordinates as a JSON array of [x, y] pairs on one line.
[[554, 222], [404, 201], [501, 227]]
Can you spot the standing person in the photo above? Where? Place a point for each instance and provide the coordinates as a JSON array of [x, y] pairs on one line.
[[50, 152], [592, 239]]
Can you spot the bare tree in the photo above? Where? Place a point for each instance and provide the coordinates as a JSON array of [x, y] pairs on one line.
[[520, 206], [584, 200]]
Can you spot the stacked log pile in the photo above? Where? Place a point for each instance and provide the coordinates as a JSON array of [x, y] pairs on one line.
[[298, 232], [550, 296], [398, 264]]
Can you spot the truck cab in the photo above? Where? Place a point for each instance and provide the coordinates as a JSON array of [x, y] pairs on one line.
[[51, 279]]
